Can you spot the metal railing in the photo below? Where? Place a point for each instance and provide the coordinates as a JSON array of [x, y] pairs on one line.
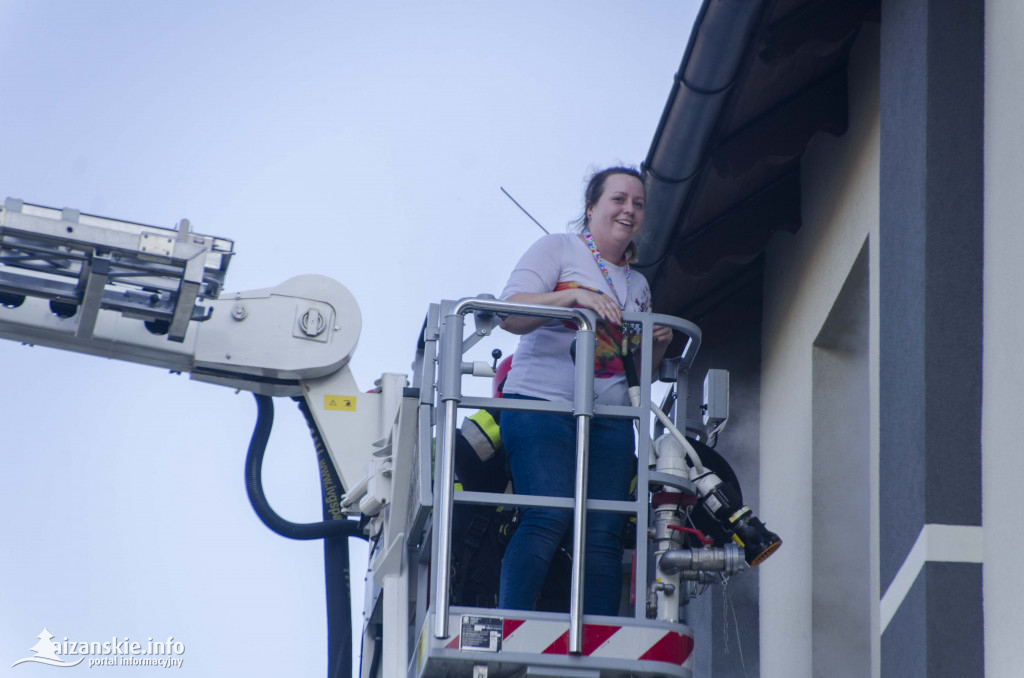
[[449, 381]]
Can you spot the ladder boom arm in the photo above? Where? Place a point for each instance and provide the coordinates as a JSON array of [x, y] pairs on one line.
[[152, 295]]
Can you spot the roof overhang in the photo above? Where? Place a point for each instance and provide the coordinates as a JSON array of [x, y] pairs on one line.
[[759, 79]]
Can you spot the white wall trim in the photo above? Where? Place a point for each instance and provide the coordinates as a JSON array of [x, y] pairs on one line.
[[936, 544]]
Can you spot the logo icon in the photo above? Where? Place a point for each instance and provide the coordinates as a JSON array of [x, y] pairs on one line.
[[46, 652]]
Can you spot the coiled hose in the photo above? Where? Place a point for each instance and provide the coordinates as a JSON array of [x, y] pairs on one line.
[[258, 499]]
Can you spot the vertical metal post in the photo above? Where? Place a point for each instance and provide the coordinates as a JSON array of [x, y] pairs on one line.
[[682, 397], [579, 526], [644, 452], [450, 387], [583, 409]]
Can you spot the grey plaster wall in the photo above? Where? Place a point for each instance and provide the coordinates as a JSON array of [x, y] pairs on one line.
[[930, 308], [804, 277], [1003, 366], [841, 478], [726, 644]]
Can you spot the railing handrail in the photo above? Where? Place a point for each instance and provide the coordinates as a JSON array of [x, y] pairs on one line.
[[449, 393], [584, 318]]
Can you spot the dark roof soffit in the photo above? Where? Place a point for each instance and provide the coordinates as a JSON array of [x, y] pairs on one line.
[[759, 79]]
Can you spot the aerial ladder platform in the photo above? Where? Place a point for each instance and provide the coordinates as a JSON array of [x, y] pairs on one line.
[[154, 295]]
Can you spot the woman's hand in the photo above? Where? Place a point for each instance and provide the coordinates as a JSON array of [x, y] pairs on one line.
[[662, 335], [602, 304]]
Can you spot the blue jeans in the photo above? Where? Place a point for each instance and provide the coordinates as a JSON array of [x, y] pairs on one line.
[[541, 450]]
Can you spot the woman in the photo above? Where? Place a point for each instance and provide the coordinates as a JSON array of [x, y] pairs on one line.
[[589, 270]]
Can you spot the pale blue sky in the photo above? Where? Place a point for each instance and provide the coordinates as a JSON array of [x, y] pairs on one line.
[[364, 141]]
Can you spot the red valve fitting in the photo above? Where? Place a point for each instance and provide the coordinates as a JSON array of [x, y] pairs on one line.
[[701, 537]]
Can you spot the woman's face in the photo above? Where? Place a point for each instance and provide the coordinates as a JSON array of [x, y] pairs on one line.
[[618, 213]]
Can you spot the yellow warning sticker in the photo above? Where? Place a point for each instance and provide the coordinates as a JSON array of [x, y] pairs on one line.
[[340, 402]]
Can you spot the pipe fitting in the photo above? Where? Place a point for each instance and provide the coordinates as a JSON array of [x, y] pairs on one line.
[[727, 560]]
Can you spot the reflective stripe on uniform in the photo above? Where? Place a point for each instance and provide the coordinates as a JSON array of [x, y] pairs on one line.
[[482, 433], [485, 420]]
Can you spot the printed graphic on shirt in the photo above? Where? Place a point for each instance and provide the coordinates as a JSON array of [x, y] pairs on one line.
[[643, 302], [608, 353]]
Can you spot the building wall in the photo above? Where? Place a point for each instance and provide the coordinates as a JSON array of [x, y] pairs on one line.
[[726, 645], [905, 192], [809, 280], [1003, 344], [931, 232]]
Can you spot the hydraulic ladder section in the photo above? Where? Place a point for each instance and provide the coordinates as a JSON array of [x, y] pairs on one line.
[[82, 264], [484, 642]]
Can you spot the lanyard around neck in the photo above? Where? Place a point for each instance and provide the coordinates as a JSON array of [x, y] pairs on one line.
[[604, 270]]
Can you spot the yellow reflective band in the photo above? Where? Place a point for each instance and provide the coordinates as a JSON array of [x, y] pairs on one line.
[[485, 421], [739, 514]]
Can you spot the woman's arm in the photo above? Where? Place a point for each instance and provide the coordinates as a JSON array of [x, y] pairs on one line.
[[605, 307]]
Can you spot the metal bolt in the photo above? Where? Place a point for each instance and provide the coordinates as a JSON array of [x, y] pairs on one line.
[[238, 312], [228, 356]]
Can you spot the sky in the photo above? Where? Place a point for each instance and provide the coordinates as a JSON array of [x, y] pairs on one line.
[[363, 141]]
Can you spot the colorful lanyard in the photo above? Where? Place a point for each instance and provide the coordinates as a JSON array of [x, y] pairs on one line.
[[604, 269]]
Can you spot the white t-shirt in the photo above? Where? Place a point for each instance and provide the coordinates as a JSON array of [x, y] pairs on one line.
[[542, 366]]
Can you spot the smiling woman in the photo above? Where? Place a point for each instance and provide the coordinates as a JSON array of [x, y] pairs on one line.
[[585, 270]]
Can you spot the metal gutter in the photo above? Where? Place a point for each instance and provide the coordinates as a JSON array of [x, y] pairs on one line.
[[712, 61]]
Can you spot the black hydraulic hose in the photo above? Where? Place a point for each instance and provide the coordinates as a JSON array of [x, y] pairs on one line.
[[339, 607], [336, 559], [258, 499]]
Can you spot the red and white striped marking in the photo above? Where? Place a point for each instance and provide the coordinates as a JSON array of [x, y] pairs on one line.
[[643, 643]]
